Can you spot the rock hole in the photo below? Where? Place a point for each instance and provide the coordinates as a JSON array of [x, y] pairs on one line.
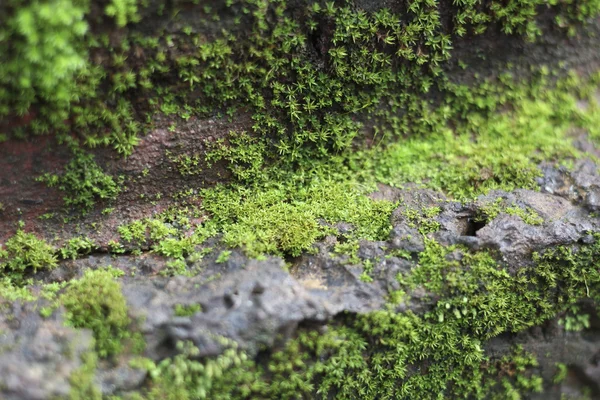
[[258, 289], [473, 226], [229, 299]]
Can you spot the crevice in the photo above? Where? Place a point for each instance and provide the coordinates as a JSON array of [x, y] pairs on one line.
[[473, 226]]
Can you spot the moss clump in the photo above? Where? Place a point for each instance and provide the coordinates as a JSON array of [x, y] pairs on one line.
[[83, 182], [489, 149], [76, 247], [423, 219], [95, 302], [288, 219], [123, 11], [10, 292], [231, 375], [25, 250], [42, 45], [82, 382], [187, 310]]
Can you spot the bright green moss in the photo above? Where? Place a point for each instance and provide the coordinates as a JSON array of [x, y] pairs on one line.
[[229, 376], [423, 219], [42, 46], [77, 247], [10, 292], [95, 302], [223, 256], [487, 150], [187, 310], [489, 211], [23, 251], [286, 219], [123, 11]]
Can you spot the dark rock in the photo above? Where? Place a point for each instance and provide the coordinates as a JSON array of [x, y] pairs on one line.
[[406, 238], [252, 306]]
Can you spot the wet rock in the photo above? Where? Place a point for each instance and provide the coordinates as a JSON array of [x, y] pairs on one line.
[[403, 237], [564, 224], [119, 378]]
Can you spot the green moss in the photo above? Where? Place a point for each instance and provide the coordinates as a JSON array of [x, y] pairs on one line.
[[76, 247], [23, 251], [286, 219], [10, 292], [182, 378], [183, 310], [561, 374], [95, 302], [223, 256], [83, 182], [574, 319], [491, 210], [423, 219], [123, 11], [42, 43], [83, 386]]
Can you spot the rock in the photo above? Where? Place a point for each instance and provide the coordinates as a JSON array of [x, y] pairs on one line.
[[251, 306], [38, 355]]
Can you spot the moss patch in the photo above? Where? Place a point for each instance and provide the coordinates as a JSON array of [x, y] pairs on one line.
[[95, 301], [25, 250]]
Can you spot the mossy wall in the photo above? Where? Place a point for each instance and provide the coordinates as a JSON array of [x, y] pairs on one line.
[[340, 96]]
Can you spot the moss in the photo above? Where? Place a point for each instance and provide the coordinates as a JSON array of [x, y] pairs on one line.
[[574, 319], [373, 64], [95, 301], [76, 247], [42, 42], [423, 219], [183, 310], [23, 251], [10, 292], [83, 182], [223, 256], [183, 378], [286, 219], [83, 386], [561, 374], [123, 11], [491, 210]]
